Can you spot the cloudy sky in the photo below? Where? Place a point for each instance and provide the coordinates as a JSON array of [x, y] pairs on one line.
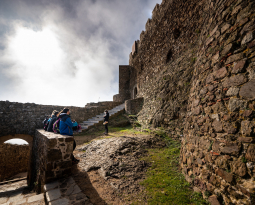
[[66, 52]]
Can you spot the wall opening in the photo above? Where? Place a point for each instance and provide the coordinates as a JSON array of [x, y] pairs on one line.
[[15, 157], [135, 92]]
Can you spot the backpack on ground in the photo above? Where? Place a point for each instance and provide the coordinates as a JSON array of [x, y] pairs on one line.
[[56, 126]]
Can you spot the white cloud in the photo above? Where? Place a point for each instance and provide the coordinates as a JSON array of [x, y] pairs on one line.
[[71, 58]]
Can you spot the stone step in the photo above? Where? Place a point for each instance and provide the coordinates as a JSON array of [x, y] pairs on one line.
[[99, 118], [84, 127], [89, 122], [96, 119]]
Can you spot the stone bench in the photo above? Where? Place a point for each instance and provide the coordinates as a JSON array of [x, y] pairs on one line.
[[51, 158]]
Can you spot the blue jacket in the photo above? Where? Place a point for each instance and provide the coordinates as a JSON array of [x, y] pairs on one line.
[[65, 125]]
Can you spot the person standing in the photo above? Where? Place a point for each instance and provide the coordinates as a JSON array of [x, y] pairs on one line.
[[106, 121]]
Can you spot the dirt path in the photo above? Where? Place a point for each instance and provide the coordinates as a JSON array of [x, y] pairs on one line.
[[95, 187], [110, 170]]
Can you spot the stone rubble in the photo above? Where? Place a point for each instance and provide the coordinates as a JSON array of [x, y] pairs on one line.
[[117, 160]]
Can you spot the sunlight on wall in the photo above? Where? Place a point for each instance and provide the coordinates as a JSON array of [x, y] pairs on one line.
[[16, 141]]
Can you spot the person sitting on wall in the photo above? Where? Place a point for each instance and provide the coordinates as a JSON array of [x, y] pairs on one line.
[[53, 119], [106, 120], [65, 128], [75, 125], [46, 122]]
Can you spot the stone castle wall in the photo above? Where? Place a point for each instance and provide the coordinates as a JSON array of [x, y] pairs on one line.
[[14, 159], [127, 82], [195, 65], [93, 109], [134, 106], [25, 118]]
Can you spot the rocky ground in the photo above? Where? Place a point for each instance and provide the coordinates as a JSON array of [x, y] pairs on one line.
[[111, 169]]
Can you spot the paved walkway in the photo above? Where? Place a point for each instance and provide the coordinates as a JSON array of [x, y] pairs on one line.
[[61, 192], [17, 194], [65, 192]]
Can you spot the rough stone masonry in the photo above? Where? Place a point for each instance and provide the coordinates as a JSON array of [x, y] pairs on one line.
[[195, 69]]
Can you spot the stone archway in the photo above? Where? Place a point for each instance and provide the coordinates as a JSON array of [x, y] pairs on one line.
[[21, 151]]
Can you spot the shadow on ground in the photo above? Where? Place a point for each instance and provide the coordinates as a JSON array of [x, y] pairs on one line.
[[90, 182]]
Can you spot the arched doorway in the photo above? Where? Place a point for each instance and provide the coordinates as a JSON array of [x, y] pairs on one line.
[[15, 158]]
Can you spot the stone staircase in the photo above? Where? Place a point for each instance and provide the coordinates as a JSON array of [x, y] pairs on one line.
[[85, 125]]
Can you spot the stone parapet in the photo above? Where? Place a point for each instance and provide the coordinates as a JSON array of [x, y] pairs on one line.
[[25, 118], [51, 158], [132, 107]]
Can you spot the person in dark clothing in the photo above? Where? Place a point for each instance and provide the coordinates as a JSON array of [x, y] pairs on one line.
[[106, 121], [52, 121], [65, 128], [75, 125]]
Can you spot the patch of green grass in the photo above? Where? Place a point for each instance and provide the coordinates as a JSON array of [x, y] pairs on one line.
[[197, 31], [193, 60], [164, 183], [210, 147], [244, 160]]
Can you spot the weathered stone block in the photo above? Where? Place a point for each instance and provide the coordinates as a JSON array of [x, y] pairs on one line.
[[217, 126], [239, 168], [235, 57], [210, 78], [247, 113], [247, 127], [221, 73], [248, 37], [222, 162], [234, 80], [54, 155], [52, 143], [230, 128], [235, 104], [251, 44], [231, 149], [225, 27], [250, 154], [238, 67], [232, 91], [227, 49], [196, 111], [213, 200], [225, 175], [69, 139], [247, 91]]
